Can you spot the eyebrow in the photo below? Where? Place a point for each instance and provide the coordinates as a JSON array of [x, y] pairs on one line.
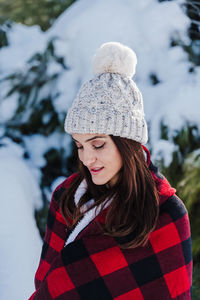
[[94, 137]]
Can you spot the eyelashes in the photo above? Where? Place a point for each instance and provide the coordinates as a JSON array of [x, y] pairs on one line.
[[99, 147], [95, 147]]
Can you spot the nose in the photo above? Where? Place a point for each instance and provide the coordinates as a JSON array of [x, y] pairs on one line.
[[88, 158]]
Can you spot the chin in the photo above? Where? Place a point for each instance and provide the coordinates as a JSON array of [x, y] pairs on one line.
[[100, 181]]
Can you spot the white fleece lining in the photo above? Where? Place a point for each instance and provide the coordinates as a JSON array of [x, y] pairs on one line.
[[88, 217]]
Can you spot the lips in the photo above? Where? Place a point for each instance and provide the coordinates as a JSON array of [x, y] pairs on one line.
[[96, 170]]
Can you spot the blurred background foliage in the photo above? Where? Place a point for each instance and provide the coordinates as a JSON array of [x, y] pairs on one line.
[[33, 12], [184, 174], [36, 113]]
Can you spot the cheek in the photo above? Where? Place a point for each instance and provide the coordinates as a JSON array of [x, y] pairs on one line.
[[118, 159], [113, 160]]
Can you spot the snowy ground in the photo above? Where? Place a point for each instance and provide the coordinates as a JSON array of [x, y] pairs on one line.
[[147, 27], [20, 241]]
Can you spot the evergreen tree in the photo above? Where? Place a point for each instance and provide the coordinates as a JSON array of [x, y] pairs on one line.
[[5, 26], [31, 12], [36, 115], [189, 189]]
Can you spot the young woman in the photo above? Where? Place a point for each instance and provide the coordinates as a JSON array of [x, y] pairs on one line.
[[115, 229]]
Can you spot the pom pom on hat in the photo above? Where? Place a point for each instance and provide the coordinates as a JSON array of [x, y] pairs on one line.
[[111, 102], [113, 57]]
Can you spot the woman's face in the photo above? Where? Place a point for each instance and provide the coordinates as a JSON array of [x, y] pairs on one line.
[[100, 155]]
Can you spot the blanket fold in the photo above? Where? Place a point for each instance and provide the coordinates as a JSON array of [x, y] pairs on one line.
[[93, 267]]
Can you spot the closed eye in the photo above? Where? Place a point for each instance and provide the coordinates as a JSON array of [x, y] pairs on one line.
[[99, 147], [95, 147]]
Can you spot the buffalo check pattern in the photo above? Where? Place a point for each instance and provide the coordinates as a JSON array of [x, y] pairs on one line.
[[93, 267]]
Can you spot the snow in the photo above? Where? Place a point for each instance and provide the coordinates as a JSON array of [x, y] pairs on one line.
[[20, 240], [56, 182], [192, 161], [8, 108], [147, 27], [163, 149], [41, 145], [24, 41]]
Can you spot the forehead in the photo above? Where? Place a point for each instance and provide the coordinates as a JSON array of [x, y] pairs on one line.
[[82, 137]]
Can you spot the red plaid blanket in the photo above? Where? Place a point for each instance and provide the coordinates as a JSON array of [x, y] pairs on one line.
[[93, 267]]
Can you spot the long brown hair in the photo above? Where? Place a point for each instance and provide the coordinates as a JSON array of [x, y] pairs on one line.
[[133, 212]]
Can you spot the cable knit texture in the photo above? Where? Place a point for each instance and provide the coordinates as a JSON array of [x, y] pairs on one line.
[[111, 102]]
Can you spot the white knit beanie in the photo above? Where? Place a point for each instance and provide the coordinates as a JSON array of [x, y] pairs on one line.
[[110, 103]]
